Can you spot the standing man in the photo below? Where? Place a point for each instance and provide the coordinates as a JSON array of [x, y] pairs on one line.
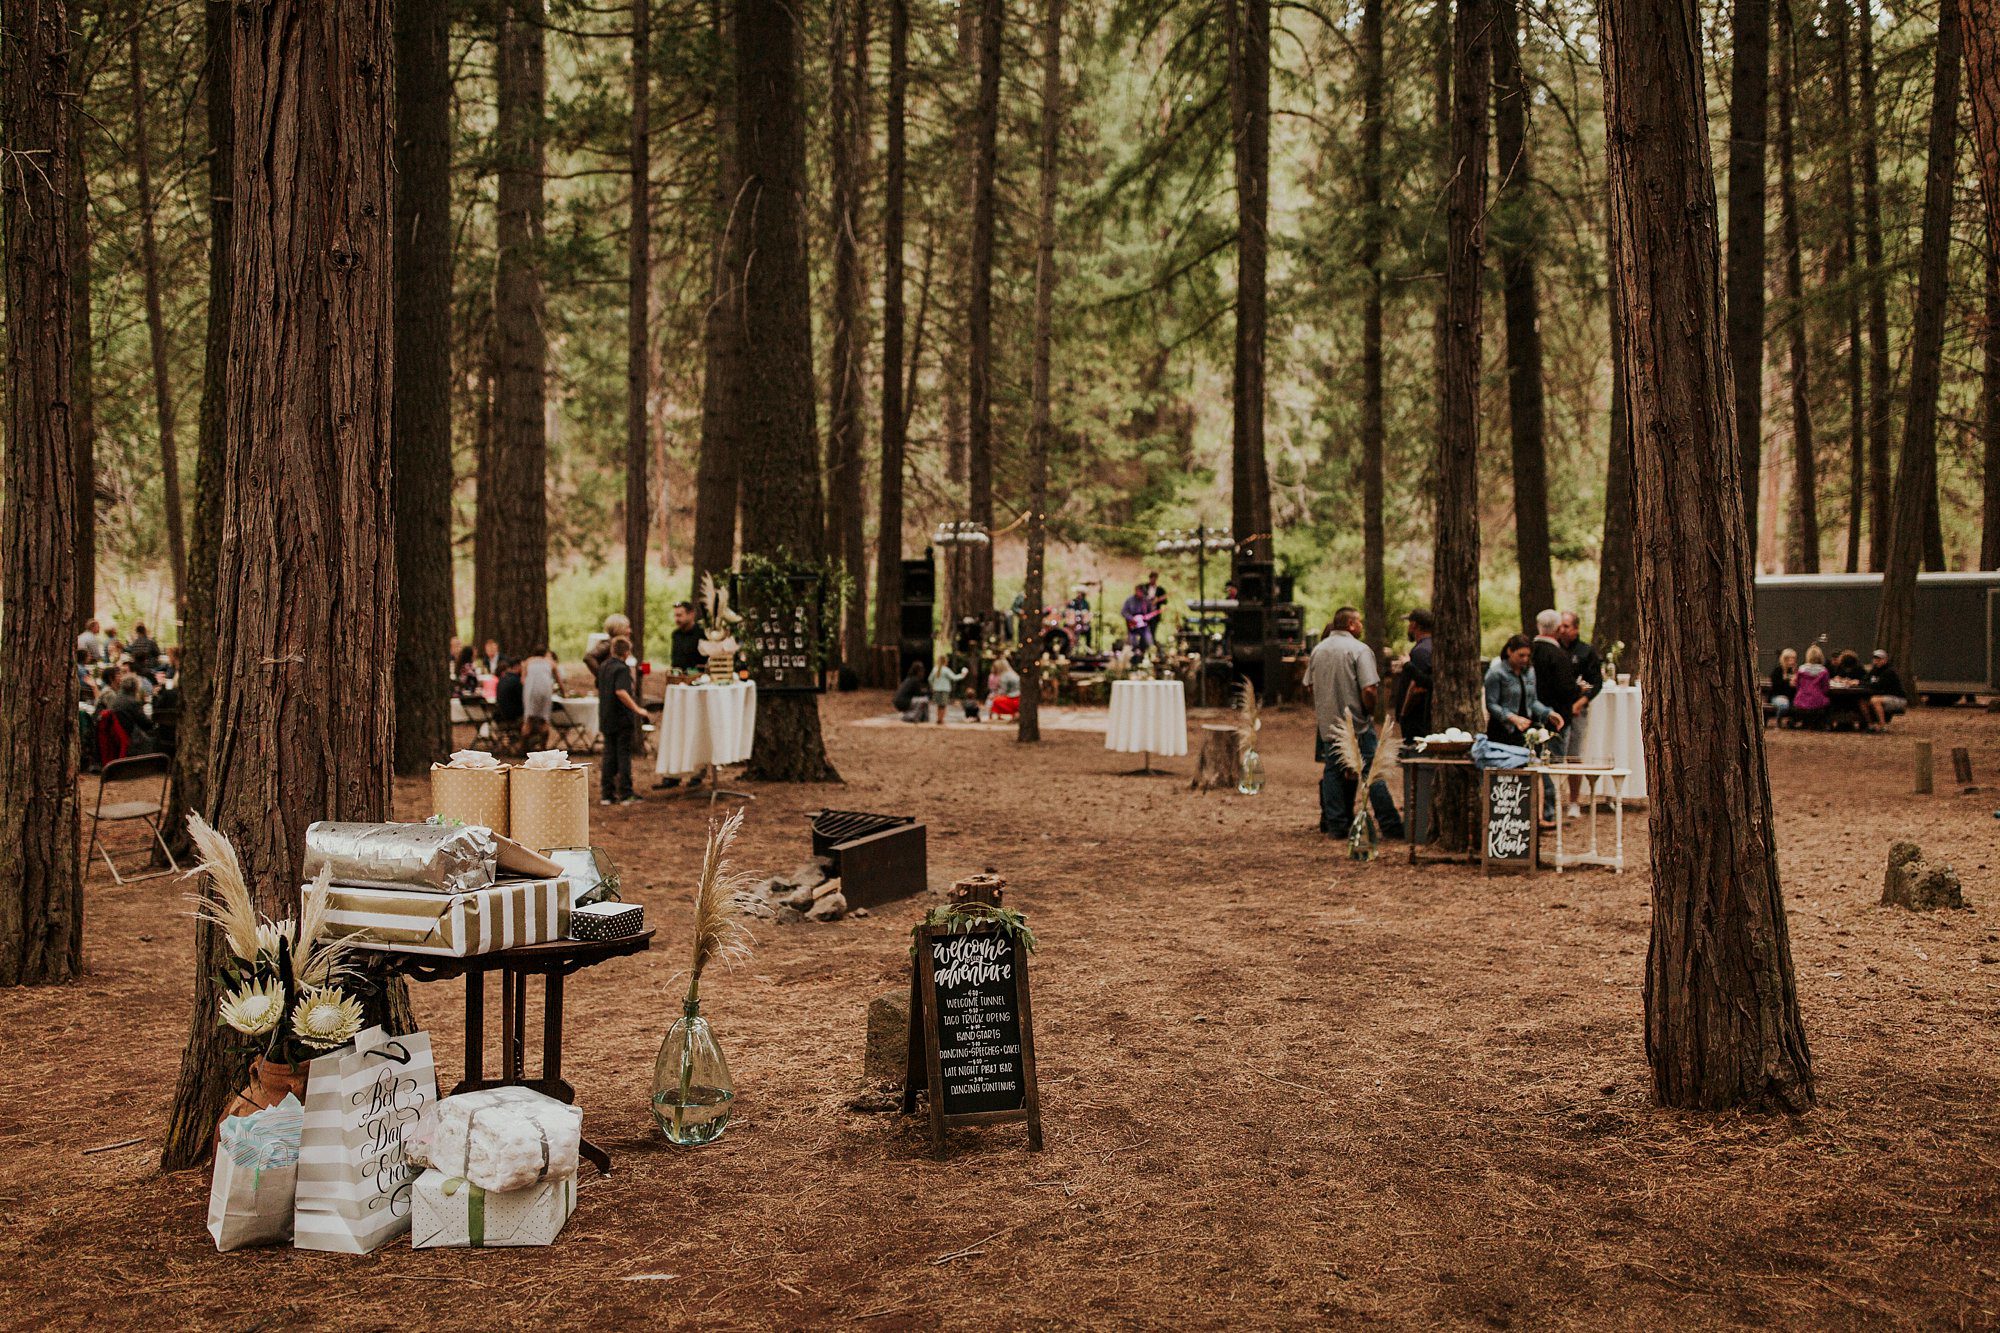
[[621, 716], [684, 651], [1555, 686], [1138, 612], [1342, 676], [1589, 681], [1419, 676]]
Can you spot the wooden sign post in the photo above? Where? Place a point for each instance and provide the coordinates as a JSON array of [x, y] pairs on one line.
[[972, 1032], [1510, 810]]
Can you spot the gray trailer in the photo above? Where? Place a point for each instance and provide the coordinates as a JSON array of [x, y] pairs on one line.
[[1957, 619]]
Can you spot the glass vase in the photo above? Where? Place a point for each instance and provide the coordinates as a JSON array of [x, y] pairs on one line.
[[1252, 780], [692, 1089], [1361, 838]]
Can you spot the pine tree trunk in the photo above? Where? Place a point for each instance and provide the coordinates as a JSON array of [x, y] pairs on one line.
[[1980, 23], [847, 70], [979, 309], [1878, 299], [781, 481], [1250, 137], [1374, 103], [1916, 470], [189, 790], [889, 519], [1458, 701], [1516, 238], [305, 571], [1042, 426], [1722, 1016], [638, 330], [41, 890], [718, 468], [1802, 556], [1749, 121], [82, 393], [1846, 257], [421, 442], [1617, 617], [513, 523], [156, 324], [1441, 55]]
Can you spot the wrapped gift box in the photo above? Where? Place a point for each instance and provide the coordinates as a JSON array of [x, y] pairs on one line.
[[505, 1138], [471, 795], [448, 1210], [606, 921], [505, 915], [438, 857], [549, 807]]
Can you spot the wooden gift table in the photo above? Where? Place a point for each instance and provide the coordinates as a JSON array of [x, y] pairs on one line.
[[1609, 784], [1420, 779], [552, 961]]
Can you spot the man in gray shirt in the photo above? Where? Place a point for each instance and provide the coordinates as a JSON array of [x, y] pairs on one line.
[[1344, 680]]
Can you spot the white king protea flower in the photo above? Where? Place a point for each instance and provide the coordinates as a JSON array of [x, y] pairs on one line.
[[269, 933], [255, 1009], [326, 1018]]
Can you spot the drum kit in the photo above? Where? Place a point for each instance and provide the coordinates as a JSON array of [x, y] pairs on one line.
[[1063, 628]]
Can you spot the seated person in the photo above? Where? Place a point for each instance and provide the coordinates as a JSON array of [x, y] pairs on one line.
[[509, 706], [465, 674], [1003, 689], [1809, 685], [86, 687], [1885, 688], [1782, 677], [913, 699], [1846, 669], [145, 653], [130, 711]]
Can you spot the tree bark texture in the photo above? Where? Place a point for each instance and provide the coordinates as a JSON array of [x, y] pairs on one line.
[[889, 517], [1980, 24], [1459, 701], [511, 602], [781, 482], [1749, 122], [82, 394], [421, 442], [1250, 137], [156, 322], [1802, 553], [717, 483], [1374, 112], [845, 540], [1722, 1016], [1916, 469], [190, 784], [979, 308], [638, 329], [1516, 236], [1878, 298], [1041, 428], [1989, 397], [1846, 260], [305, 572], [1617, 618], [41, 891]]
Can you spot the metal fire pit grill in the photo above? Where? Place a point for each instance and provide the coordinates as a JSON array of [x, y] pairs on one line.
[[877, 858]]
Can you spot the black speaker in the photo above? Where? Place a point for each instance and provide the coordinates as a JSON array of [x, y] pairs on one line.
[[919, 581], [917, 621], [913, 650], [1253, 581], [1288, 622], [1282, 588], [1246, 625]]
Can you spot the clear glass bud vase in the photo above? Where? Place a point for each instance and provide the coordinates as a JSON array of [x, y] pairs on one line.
[[1252, 780], [692, 1089]]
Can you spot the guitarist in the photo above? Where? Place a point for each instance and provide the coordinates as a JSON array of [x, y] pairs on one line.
[[1141, 609]]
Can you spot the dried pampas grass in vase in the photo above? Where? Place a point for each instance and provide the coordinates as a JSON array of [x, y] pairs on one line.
[[692, 1089]]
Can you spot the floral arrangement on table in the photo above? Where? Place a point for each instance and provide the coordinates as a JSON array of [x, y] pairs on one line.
[[692, 1087], [718, 633], [1611, 656], [1538, 739], [286, 986], [1362, 832]]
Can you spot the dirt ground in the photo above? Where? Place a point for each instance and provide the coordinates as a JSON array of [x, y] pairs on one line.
[[1278, 1087]]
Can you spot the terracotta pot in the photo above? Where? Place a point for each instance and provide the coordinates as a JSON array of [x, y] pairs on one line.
[[270, 1080]]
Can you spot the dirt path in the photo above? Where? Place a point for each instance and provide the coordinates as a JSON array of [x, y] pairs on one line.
[[1278, 1087]]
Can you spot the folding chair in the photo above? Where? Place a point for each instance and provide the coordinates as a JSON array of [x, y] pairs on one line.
[[480, 714], [127, 773], [566, 731]]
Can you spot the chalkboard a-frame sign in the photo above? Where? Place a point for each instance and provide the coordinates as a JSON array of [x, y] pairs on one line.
[[1510, 809], [972, 1033]]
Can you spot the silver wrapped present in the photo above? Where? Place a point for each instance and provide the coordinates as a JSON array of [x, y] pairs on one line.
[[436, 857]]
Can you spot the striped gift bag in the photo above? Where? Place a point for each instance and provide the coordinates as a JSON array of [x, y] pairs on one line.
[[354, 1181]]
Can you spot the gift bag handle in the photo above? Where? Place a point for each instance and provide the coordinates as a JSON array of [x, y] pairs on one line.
[[401, 1053]]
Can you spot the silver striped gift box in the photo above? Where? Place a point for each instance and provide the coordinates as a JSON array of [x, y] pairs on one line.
[[505, 915]]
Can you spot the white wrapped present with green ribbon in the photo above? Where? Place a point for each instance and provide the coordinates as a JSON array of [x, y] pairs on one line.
[[450, 1211]]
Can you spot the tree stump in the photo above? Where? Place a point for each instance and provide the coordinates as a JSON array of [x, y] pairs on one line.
[[1220, 763], [1923, 768], [1922, 886], [1961, 769]]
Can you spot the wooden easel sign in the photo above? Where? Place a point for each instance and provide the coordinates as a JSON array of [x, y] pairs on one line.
[[1510, 808], [972, 1033]]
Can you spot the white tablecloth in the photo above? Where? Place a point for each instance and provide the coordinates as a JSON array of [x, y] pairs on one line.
[[582, 712], [1612, 735], [705, 724], [1147, 716]]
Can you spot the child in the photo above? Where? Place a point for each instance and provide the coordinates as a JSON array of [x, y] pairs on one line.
[[943, 681]]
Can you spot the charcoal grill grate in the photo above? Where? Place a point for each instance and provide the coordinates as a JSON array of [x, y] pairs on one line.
[[830, 828]]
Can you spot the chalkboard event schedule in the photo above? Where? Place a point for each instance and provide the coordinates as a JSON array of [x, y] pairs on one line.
[[972, 1044]]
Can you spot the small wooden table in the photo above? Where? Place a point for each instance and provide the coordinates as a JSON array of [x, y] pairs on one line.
[[1605, 783], [1420, 775], [553, 960]]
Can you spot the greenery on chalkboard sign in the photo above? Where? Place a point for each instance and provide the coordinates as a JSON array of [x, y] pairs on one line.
[[765, 581], [971, 916]]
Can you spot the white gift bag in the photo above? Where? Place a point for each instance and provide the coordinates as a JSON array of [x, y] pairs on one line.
[[251, 1196], [354, 1179]]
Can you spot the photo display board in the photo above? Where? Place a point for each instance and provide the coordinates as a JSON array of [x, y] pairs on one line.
[[972, 1044], [782, 644]]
